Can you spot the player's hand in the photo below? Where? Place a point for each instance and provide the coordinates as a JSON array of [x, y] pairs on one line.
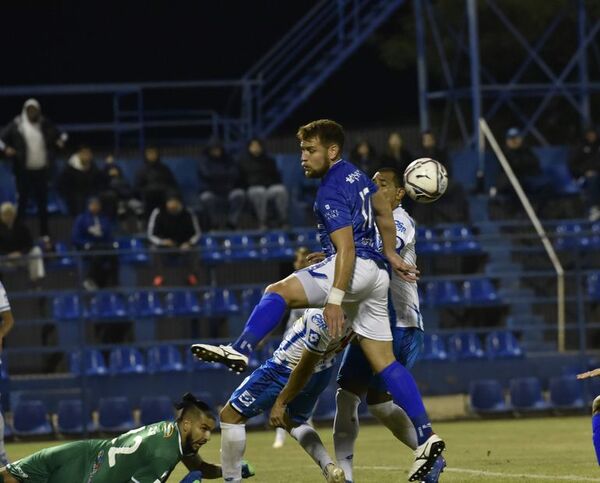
[[334, 317], [588, 374], [168, 243], [192, 477], [185, 246], [277, 418], [405, 271], [247, 470], [315, 257], [10, 151]]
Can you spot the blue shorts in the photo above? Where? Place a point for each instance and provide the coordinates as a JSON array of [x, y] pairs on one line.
[[258, 392], [355, 369]]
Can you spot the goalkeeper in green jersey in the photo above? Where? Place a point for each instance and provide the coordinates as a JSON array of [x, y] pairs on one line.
[[145, 455]]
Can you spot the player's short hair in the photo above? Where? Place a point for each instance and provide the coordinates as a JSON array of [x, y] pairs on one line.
[[190, 405], [396, 176], [303, 251], [329, 132]]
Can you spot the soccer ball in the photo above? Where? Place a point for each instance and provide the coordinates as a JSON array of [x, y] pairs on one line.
[[425, 180]]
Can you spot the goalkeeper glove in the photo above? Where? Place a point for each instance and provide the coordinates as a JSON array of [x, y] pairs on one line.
[[193, 477], [247, 469]]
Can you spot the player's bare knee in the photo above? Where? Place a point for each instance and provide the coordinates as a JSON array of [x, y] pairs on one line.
[[231, 416], [291, 290], [377, 397], [596, 406]]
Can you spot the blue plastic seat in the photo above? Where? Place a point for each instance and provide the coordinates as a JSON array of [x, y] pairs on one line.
[[434, 348], [568, 237], [595, 237], [195, 364], [220, 302], [31, 419], [502, 345], [592, 388], [479, 291], [566, 392], [133, 251], [211, 251], [308, 238], [526, 394], [325, 408], [61, 259], [240, 248], [487, 396], [115, 414], [126, 360], [70, 417], [164, 358], [427, 243], [154, 409], [93, 362], [146, 304], [183, 303], [465, 346], [105, 306], [444, 292], [67, 307], [276, 246], [593, 285], [460, 240]]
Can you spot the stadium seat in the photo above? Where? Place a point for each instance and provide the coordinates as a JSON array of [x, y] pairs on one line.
[[67, 307], [325, 409], [93, 360], [592, 388], [183, 303], [566, 392], [145, 304], [30, 418], [195, 364], [164, 358], [459, 240], [126, 360], [220, 302], [250, 298], [595, 237], [240, 248], [444, 292], [115, 414], [487, 396], [154, 409], [502, 345], [479, 291], [276, 246], [593, 285], [465, 346], [104, 306], [133, 251], [308, 238], [70, 418], [568, 237], [210, 249], [60, 258], [526, 394], [434, 348], [426, 242]]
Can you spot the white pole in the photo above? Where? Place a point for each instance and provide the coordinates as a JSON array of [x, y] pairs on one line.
[[560, 273]]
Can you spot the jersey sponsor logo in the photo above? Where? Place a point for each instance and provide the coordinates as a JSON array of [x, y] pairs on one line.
[[96, 465], [246, 398], [319, 321], [331, 214], [169, 430], [400, 226], [352, 177], [314, 337]]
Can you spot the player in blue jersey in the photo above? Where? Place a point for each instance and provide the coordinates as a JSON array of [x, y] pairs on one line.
[[7, 324], [353, 279], [595, 413]]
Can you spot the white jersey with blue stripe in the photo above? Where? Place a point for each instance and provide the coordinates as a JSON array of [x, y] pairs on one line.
[[404, 296], [310, 332], [4, 305]]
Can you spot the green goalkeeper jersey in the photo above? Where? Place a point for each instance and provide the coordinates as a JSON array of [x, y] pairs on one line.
[[144, 455]]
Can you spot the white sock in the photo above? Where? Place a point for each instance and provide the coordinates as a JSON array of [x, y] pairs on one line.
[[279, 435], [312, 444], [233, 445], [345, 429], [396, 420]]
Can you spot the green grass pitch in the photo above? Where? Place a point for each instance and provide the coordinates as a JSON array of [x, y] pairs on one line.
[[552, 449]]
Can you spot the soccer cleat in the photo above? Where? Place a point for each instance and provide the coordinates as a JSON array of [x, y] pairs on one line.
[[436, 471], [334, 474], [225, 354], [425, 456]]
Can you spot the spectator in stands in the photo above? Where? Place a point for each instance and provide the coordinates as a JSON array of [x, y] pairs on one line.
[[93, 233], [174, 227], [584, 165], [31, 141], [396, 155], [16, 244], [154, 180], [79, 180], [221, 196], [259, 174], [364, 157], [430, 149], [117, 194]]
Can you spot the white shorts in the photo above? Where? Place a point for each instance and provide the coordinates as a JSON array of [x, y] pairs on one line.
[[366, 300]]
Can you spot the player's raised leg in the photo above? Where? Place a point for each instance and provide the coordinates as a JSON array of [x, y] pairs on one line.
[[596, 426]]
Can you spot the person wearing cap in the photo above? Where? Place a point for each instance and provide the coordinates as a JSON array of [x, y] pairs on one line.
[[584, 165], [145, 455], [30, 140], [174, 227]]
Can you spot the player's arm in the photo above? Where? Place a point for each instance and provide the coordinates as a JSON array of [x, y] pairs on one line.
[[387, 232], [588, 374], [343, 240], [201, 469], [298, 379]]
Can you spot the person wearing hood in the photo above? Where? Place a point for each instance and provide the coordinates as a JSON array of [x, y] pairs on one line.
[[258, 172], [79, 180], [221, 197], [396, 155], [153, 180], [30, 140]]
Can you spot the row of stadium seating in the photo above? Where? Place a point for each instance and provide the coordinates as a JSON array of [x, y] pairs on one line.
[[525, 395], [581, 236]]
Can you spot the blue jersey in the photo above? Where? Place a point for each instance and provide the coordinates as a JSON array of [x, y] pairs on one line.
[[344, 199]]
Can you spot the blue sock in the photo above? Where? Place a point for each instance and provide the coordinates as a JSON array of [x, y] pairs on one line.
[[405, 393], [263, 319], [596, 435]]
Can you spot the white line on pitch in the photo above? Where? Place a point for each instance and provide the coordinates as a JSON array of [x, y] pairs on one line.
[[490, 473]]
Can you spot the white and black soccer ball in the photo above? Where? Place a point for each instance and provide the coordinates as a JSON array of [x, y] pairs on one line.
[[425, 180]]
